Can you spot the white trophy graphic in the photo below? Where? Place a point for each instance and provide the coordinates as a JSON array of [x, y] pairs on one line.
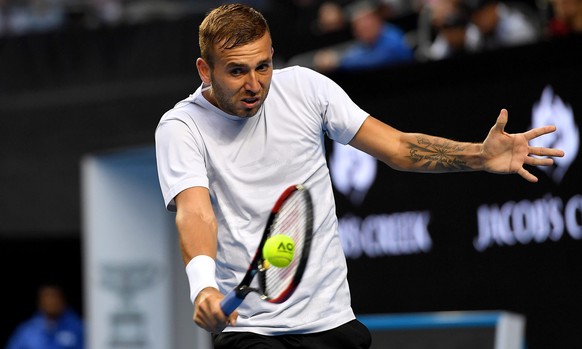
[[352, 172], [551, 110], [128, 322]]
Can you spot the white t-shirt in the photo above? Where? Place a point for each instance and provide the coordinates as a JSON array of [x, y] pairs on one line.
[[246, 163]]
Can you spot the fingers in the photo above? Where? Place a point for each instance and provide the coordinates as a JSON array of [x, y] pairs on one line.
[[208, 314], [541, 151], [501, 121], [533, 161], [232, 319], [539, 131], [214, 322], [538, 161], [211, 321], [514, 147], [529, 135], [502, 118], [527, 176]]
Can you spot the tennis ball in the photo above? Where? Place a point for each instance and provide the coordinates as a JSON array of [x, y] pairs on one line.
[[279, 250]]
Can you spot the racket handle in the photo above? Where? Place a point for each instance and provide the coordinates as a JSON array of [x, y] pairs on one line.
[[230, 302]]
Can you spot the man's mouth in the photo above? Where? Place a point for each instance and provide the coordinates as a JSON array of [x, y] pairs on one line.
[[250, 102]]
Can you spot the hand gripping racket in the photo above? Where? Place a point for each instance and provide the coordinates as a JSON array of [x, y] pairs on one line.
[[292, 215]]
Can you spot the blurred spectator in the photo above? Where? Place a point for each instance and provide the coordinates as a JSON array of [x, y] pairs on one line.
[[396, 8], [566, 18], [317, 22], [108, 12], [54, 326], [454, 34], [3, 17], [330, 17], [18, 17], [376, 44], [502, 24], [440, 10]]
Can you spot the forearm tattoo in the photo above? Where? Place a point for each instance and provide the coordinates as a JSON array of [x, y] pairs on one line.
[[445, 156]]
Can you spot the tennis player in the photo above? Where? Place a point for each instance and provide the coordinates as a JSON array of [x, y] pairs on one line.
[[226, 152]]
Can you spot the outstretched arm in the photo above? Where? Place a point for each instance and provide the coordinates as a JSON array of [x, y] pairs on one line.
[[499, 153]]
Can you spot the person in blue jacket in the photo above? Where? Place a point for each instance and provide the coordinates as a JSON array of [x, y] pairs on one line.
[[377, 43], [54, 326]]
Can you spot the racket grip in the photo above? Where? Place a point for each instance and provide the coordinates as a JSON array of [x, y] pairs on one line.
[[230, 302]]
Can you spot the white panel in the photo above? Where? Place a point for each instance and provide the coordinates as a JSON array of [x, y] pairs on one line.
[[127, 252], [136, 292], [510, 332]]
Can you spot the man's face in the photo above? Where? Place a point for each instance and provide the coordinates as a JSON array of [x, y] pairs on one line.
[[241, 77], [485, 18], [565, 10], [51, 301], [367, 27], [455, 36]]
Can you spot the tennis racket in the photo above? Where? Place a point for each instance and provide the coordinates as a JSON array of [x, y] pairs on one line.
[[292, 215]]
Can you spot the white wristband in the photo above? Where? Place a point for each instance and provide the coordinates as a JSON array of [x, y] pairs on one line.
[[201, 274]]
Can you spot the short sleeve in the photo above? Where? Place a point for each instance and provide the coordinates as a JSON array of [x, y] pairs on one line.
[[179, 157], [342, 117]]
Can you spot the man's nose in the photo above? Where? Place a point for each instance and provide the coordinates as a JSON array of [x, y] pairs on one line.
[[252, 82]]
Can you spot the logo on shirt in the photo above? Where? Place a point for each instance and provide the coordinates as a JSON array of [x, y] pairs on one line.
[[551, 110]]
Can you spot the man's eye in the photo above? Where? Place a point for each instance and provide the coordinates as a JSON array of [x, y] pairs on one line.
[[236, 71], [263, 67]]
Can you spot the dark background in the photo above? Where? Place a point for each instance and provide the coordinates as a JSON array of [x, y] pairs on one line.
[[70, 93], [460, 99]]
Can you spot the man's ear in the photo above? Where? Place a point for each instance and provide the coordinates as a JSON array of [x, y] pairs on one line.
[[203, 70]]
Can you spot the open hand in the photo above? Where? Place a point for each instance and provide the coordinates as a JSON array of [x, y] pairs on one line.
[[507, 153]]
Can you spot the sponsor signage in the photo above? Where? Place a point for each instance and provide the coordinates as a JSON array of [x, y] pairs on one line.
[[518, 221]]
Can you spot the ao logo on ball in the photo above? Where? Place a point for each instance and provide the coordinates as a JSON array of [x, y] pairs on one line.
[[279, 250]]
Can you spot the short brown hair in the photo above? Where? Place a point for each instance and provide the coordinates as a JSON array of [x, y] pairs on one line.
[[230, 26]]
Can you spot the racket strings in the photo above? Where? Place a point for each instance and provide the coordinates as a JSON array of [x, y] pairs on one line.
[[291, 220]]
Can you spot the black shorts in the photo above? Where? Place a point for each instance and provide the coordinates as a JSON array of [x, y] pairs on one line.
[[351, 335]]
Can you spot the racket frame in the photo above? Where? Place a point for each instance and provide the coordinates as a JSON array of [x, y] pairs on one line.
[[235, 297]]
